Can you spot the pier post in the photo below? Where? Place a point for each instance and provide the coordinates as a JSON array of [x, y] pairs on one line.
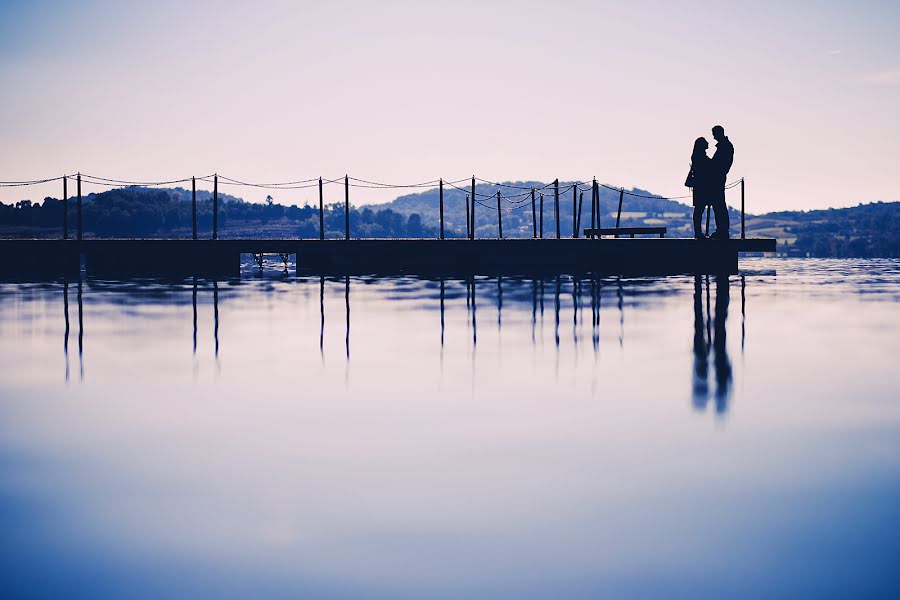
[[593, 205], [574, 210], [441, 202], [499, 216], [78, 208], [346, 207], [743, 233], [215, 233], [193, 208], [580, 205], [65, 208], [321, 213], [619, 212], [468, 221], [556, 204], [541, 219], [533, 217], [472, 229]]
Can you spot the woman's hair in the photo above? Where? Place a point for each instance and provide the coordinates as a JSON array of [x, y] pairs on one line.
[[700, 146]]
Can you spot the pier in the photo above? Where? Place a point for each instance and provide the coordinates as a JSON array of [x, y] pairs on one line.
[[164, 257]]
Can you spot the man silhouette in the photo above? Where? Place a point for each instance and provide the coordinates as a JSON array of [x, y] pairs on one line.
[[721, 164]]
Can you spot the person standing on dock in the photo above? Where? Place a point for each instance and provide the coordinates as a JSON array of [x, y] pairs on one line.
[[702, 183], [721, 163]]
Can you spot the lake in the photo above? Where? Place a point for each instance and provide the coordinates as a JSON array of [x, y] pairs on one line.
[[407, 437]]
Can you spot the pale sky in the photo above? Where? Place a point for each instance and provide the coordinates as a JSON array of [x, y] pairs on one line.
[[808, 92]]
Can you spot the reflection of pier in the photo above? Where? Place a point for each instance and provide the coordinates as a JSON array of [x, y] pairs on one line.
[[222, 257]]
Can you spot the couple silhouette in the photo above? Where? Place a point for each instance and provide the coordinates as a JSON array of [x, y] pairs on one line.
[[707, 181]]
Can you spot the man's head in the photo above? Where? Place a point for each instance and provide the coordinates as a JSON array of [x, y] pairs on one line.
[[718, 133]]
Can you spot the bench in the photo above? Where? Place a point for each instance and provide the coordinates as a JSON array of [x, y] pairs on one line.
[[630, 231]]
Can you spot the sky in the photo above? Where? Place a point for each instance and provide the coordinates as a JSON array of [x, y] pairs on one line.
[[400, 92]]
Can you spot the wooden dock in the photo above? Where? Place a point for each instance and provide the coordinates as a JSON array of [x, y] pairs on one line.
[[168, 257]]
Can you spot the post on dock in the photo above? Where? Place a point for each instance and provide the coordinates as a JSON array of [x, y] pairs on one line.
[[541, 219], [574, 210], [193, 208], [533, 217], [619, 212], [78, 208], [346, 207], [743, 233], [215, 234], [321, 213], [499, 216], [65, 208], [472, 229], [556, 205], [580, 205], [468, 221], [593, 205], [441, 203]]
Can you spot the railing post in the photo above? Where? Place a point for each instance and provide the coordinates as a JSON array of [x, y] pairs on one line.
[[619, 212], [499, 216], [468, 220], [743, 232], [215, 234], [78, 208], [533, 217], [556, 205], [321, 213], [193, 208], [472, 229], [441, 202], [346, 207], [541, 218], [580, 205], [65, 208], [574, 210]]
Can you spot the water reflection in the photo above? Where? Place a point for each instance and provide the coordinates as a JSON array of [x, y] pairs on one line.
[[712, 367], [710, 335]]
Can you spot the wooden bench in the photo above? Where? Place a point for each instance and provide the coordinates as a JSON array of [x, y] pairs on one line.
[[629, 231]]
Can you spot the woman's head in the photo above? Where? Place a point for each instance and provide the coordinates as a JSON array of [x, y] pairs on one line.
[[700, 145]]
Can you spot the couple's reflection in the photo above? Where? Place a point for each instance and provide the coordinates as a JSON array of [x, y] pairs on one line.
[[710, 338]]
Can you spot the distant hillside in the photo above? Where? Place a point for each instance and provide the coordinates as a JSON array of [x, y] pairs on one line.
[[867, 230]]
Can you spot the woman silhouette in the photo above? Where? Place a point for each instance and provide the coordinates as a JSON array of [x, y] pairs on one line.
[[699, 179]]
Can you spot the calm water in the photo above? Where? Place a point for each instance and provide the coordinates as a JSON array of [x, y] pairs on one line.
[[277, 436]]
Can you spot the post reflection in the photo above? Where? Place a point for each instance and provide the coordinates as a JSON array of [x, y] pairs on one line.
[[710, 337], [712, 368]]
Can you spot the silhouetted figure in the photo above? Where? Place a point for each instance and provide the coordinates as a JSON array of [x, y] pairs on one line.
[[721, 164], [701, 180]]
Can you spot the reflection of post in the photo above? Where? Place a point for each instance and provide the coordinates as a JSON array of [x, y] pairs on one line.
[[80, 333], [194, 302], [743, 310], [322, 316], [216, 316], [347, 304], [474, 319], [66, 335], [720, 353], [556, 311], [499, 302], [533, 307], [621, 296], [442, 316], [575, 287], [595, 312]]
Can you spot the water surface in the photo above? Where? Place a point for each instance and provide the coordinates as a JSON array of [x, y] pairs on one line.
[[408, 437]]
